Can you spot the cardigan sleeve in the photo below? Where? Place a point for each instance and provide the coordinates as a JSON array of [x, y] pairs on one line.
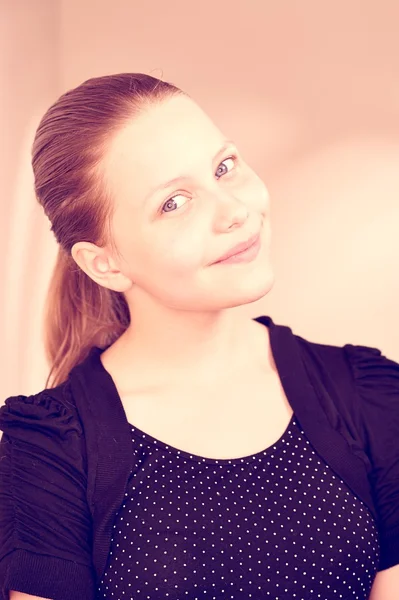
[[45, 521], [377, 383]]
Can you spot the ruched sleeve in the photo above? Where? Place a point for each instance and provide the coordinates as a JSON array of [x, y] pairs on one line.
[[377, 383], [45, 522]]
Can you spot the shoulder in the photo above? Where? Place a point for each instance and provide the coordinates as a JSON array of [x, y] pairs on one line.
[[371, 368], [48, 422], [360, 378], [365, 382], [49, 408], [367, 366]]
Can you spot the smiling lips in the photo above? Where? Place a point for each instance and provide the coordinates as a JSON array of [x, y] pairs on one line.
[[243, 252]]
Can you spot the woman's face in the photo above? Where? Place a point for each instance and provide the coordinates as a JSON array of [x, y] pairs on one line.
[[184, 196]]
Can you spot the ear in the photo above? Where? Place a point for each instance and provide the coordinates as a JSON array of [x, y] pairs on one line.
[[97, 263]]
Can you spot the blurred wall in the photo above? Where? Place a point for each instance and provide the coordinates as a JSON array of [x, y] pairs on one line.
[[308, 90], [29, 81]]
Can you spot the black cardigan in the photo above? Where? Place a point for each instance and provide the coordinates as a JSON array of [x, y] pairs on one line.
[[65, 458]]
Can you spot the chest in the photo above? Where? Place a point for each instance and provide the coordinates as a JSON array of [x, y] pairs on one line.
[[197, 522], [226, 419]]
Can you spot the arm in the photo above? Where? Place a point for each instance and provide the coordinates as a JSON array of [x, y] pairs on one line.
[[377, 383], [21, 596], [45, 521], [386, 585]]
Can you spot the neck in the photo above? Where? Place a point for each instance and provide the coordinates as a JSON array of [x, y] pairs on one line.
[[171, 343]]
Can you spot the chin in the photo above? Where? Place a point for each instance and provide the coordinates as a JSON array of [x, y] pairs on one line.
[[263, 289], [249, 292]]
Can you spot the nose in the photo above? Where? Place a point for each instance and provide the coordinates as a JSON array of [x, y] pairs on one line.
[[231, 212]]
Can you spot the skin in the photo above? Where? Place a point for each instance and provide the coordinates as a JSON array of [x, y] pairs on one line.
[[182, 307]]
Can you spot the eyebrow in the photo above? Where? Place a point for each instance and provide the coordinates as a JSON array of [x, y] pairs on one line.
[[227, 144]]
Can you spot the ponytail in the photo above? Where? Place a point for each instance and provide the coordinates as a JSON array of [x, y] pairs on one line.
[[79, 314]]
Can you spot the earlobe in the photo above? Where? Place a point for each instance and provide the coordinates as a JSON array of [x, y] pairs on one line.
[[120, 283], [115, 281]]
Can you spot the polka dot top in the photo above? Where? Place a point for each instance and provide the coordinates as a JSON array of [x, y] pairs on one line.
[[278, 524]]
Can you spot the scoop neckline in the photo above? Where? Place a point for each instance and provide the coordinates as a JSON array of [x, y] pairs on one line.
[[111, 387], [154, 442]]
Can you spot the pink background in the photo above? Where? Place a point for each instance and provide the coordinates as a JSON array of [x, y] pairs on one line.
[[308, 90]]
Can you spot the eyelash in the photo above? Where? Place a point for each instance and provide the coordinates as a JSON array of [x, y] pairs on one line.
[[233, 157]]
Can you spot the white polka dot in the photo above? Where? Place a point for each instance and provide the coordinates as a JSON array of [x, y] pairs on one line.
[[200, 528]]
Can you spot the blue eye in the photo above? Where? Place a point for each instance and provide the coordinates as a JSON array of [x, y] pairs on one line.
[[233, 159]]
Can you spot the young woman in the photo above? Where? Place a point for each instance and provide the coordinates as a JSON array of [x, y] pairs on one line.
[[180, 450]]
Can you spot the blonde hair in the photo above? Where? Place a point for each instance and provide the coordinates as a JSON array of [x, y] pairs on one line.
[[69, 144]]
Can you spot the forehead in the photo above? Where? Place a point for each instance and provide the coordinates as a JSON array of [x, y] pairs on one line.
[[163, 141]]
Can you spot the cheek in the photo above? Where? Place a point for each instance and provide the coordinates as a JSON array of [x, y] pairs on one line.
[[260, 194], [255, 191], [177, 256], [171, 270]]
